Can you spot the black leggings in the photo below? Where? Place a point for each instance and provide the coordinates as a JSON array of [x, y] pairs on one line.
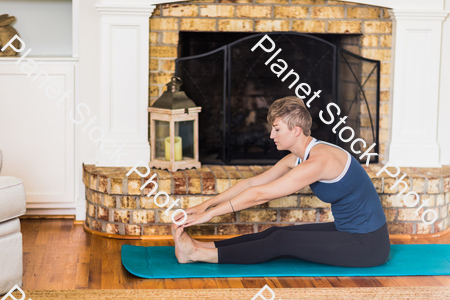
[[321, 243]]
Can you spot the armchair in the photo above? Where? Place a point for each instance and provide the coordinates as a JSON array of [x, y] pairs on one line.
[[12, 205]]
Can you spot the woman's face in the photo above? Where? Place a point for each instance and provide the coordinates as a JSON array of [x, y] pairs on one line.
[[281, 135]]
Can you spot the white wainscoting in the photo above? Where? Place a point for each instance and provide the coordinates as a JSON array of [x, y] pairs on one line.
[[37, 136]]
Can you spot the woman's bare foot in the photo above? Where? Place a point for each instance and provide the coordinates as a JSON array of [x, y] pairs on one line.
[[174, 230], [185, 249], [209, 245]]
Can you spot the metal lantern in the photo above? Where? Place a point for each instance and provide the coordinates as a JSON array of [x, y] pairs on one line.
[[174, 130]]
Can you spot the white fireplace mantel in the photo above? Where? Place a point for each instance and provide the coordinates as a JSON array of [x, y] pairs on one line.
[[413, 129], [415, 88], [124, 81], [415, 84]]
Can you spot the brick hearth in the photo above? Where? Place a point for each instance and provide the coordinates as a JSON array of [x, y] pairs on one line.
[[116, 205]]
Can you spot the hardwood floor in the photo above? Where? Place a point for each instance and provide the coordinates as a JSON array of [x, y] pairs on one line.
[[60, 255]]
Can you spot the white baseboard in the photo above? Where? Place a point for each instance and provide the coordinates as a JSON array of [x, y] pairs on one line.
[[51, 212]]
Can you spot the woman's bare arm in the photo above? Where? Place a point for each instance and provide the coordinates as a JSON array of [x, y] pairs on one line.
[[278, 170], [297, 178], [303, 175]]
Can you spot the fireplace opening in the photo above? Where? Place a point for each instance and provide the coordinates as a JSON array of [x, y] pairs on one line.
[[235, 89]]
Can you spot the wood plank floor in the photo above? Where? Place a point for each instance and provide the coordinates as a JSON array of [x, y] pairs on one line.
[[60, 255]]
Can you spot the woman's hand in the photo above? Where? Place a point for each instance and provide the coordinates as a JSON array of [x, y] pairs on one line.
[[195, 219], [198, 209]]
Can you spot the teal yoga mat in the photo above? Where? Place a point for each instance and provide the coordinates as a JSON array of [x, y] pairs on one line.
[[404, 260]]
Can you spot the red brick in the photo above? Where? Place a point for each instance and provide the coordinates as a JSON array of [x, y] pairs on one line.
[[226, 218], [109, 201], [96, 225], [143, 216], [400, 228], [216, 168], [194, 182], [447, 184], [429, 216], [298, 215], [230, 168], [112, 228], [132, 229], [262, 215], [378, 184], [262, 227], [444, 211], [234, 175], [88, 194], [91, 210], [408, 214], [116, 186], [149, 186], [208, 183], [103, 184], [162, 174], [121, 216], [93, 182], [325, 215], [247, 174], [437, 226], [234, 229], [244, 168], [96, 197], [388, 183], [434, 185], [423, 228], [134, 186], [103, 214], [157, 230], [179, 180], [257, 169], [390, 214], [200, 230], [86, 176], [128, 202]]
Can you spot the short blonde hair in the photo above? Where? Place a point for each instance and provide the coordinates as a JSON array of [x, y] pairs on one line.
[[293, 112]]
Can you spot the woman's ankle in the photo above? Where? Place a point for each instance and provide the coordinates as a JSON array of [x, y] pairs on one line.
[[208, 245]]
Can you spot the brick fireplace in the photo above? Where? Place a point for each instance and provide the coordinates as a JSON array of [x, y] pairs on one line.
[[369, 26], [116, 207]]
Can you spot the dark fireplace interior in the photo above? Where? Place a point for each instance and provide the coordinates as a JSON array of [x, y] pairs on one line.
[[235, 89]]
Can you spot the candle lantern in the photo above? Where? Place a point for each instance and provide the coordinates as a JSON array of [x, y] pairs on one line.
[[174, 129]]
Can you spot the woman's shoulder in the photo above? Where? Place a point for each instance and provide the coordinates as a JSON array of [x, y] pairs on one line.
[[327, 149], [333, 159], [290, 160]]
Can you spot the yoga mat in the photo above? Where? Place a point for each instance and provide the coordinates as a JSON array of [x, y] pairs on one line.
[[404, 260]]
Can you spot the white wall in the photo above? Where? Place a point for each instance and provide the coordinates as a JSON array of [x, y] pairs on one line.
[[444, 93], [89, 74], [44, 25]]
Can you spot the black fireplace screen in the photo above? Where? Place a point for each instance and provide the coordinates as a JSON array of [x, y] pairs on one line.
[[235, 88]]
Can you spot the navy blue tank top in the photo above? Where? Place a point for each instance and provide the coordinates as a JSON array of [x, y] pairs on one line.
[[355, 204]]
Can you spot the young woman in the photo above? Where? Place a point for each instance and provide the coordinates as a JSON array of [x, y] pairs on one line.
[[358, 237]]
